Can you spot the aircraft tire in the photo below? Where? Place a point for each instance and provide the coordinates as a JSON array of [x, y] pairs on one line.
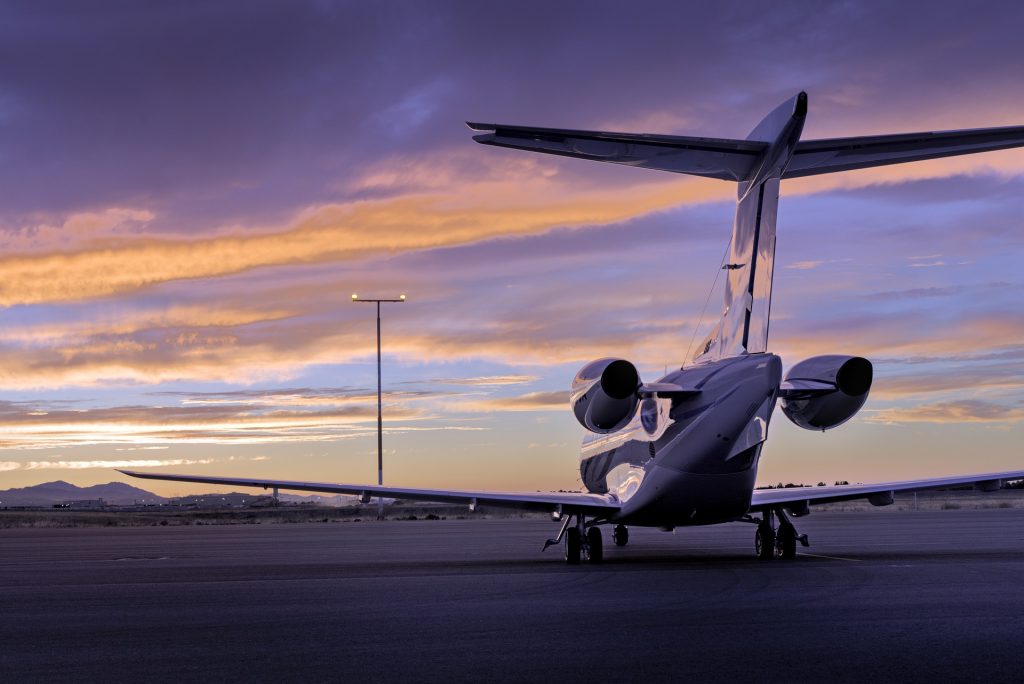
[[572, 546], [595, 545], [764, 542], [786, 542], [620, 535]]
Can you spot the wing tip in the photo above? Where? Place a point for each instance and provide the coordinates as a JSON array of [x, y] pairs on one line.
[[476, 126]]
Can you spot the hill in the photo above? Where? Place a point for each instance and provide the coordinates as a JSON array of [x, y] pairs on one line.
[[49, 493]]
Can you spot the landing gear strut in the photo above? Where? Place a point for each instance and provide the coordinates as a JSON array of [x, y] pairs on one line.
[[770, 542], [582, 540]]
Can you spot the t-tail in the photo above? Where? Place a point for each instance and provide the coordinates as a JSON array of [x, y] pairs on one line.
[[771, 153], [751, 260]]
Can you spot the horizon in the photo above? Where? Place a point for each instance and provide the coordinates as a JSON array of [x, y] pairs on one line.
[[183, 233]]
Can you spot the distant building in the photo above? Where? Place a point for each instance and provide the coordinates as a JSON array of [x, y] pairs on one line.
[[234, 500], [83, 505]]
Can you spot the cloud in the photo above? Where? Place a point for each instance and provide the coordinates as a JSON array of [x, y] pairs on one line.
[[532, 401], [962, 411], [24, 427], [482, 381], [330, 234], [352, 231], [898, 334], [805, 265], [72, 333], [297, 397], [944, 375], [106, 464], [914, 293], [812, 264], [128, 463], [76, 230]]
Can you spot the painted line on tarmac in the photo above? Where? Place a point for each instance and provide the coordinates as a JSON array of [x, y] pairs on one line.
[[818, 555]]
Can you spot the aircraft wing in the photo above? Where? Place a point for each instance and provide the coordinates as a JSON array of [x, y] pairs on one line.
[[569, 502], [711, 157], [882, 492], [812, 157]]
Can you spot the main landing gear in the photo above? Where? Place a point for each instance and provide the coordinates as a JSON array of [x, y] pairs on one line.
[[771, 542], [620, 535], [582, 540]]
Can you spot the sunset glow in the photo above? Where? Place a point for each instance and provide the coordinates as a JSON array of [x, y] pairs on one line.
[[182, 238]]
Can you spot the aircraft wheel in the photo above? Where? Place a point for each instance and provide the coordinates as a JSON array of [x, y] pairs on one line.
[[785, 544], [572, 546], [620, 535], [764, 542], [595, 545]]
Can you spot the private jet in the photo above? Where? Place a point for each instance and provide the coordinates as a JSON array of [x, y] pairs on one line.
[[684, 450]]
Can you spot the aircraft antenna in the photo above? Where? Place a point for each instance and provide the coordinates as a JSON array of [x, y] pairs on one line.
[[718, 272]]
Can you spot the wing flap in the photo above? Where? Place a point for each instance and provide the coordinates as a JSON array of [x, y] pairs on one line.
[[813, 157], [592, 504], [766, 498], [720, 158]]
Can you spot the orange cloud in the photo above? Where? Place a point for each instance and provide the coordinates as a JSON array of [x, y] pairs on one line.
[[327, 234], [531, 401], [465, 209], [76, 229], [964, 411], [140, 426], [898, 336]]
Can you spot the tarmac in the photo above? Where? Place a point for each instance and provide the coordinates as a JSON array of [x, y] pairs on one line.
[[878, 596]]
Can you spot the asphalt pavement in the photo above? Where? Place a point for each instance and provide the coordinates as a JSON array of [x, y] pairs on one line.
[[879, 596]]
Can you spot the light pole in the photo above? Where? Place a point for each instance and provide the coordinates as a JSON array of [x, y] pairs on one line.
[[380, 421]]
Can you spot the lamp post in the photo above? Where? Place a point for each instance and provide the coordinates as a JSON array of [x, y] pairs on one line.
[[380, 421]]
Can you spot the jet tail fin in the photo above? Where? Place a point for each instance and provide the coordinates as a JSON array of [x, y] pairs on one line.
[[813, 157]]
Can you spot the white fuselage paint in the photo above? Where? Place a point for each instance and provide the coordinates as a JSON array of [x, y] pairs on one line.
[[695, 463]]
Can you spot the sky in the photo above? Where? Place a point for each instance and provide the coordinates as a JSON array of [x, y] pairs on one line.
[[192, 192]]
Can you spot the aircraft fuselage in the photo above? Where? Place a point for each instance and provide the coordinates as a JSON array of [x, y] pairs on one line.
[[689, 461]]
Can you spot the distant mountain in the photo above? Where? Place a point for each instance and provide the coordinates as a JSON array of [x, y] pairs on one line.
[[49, 493], [321, 500], [121, 494]]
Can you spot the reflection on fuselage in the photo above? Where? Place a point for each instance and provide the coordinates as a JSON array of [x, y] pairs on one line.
[[691, 460]]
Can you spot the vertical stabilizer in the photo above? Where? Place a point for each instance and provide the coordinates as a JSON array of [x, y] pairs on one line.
[[751, 260], [773, 151]]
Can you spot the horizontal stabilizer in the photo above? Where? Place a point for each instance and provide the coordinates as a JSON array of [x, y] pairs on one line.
[[813, 157], [591, 504], [666, 389], [804, 389], [710, 157]]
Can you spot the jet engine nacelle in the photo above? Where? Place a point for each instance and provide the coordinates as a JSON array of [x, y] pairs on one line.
[[604, 395], [812, 405]]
